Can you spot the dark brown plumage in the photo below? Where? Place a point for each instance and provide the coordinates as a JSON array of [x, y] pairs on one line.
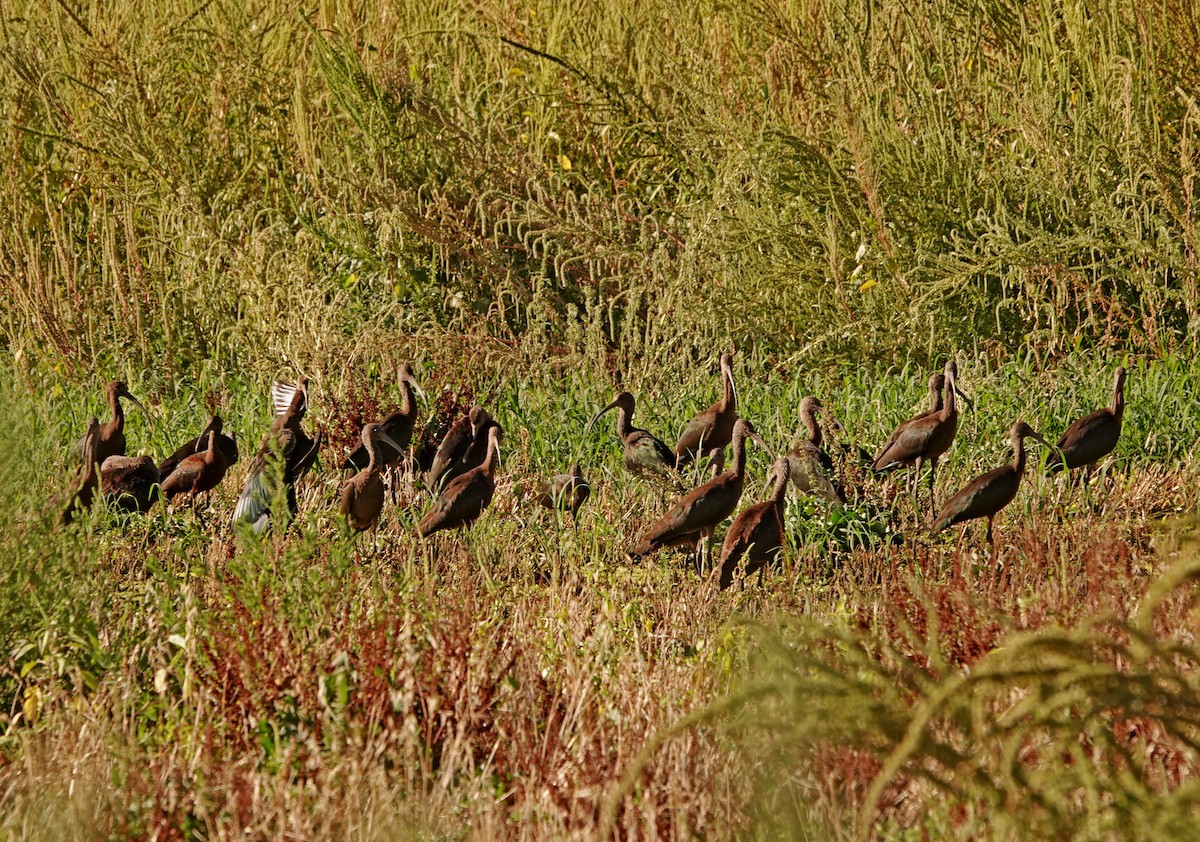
[[693, 518], [937, 383], [227, 445], [362, 494], [463, 448], [111, 441], [924, 438], [810, 467], [284, 455], [566, 492], [645, 455], [465, 497], [129, 483], [714, 426], [757, 533], [1093, 436], [199, 472], [398, 426], [988, 494]]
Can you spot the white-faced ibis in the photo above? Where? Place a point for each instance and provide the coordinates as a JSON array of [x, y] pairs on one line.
[[714, 426], [362, 494], [284, 456], [398, 426], [129, 483], [645, 455], [809, 466], [924, 438], [89, 477], [463, 448], [227, 445], [465, 497], [1093, 436], [757, 532], [988, 494], [692, 519], [198, 473], [111, 441], [565, 492]]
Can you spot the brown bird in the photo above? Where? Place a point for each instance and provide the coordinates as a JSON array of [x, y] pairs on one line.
[[227, 445], [645, 455], [465, 497], [198, 473], [112, 432], [129, 483], [284, 455], [362, 494], [89, 477], [988, 494], [810, 467], [757, 533], [566, 491], [937, 383], [692, 519], [463, 448], [924, 438], [398, 426], [714, 426], [1093, 436]]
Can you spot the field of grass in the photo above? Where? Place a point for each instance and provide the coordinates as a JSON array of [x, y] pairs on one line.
[[537, 204]]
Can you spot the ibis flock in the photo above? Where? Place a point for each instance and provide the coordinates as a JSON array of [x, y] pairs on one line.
[[461, 478]]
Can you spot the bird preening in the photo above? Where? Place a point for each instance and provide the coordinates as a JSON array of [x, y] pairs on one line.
[[464, 475]]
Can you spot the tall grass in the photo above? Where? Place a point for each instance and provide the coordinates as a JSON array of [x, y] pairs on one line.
[[252, 185]]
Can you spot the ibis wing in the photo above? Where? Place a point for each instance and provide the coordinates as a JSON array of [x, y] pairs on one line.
[[909, 442], [1088, 440], [983, 496]]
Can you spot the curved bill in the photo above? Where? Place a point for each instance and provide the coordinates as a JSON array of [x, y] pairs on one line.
[[596, 417]]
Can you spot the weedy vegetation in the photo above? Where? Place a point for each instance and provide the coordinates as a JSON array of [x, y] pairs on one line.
[[537, 204]]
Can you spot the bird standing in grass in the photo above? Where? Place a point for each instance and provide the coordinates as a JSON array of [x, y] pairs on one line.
[[714, 426], [397, 426], [284, 456], [809, 466], [201, 472], [362, 494], [1093, 436], [565, 492], [227, 445], [694, 516], [465, 497], [111, 439], [924, 439], [645, 455], [464, 447], [757, 533], [986, 495]]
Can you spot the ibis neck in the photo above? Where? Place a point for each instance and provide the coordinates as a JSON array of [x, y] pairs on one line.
[[118, 413], [493, 456], [935, 399], [728, 396], [1018, 462], [814, 429], [951, 404], [779, 492], [624, 422], [1118, 403], [407, 398], [739, 455]]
